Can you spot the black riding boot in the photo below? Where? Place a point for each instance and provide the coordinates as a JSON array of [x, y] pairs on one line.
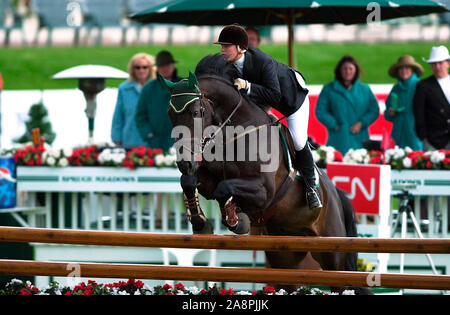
[[304, 163]]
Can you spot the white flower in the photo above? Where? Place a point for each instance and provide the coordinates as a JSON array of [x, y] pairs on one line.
[[348, 292], [193, 290], [63, 162], [51, 161], [159, 160], [407, 162], [316, 156], [437, 157], [330, 156], [67, 152], [16, 281], [173, 151], [399, 153], [118, 158], [281, 292], [243, 293], [170, 160]]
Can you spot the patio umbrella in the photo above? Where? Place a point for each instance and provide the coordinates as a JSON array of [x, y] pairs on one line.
[[283, 12]]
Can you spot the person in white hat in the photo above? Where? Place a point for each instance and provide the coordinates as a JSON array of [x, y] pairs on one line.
[[432, 102]]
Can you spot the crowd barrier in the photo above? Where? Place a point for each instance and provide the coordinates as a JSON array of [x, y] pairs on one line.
[[255, 275]]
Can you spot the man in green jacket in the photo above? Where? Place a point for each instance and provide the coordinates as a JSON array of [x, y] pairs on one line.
[[152, 120]]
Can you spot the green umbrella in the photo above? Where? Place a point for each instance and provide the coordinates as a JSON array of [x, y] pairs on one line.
[[283, 12]]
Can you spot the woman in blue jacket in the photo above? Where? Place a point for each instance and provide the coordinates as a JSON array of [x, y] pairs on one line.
[[399, 105], [123, 130], [347, 107]]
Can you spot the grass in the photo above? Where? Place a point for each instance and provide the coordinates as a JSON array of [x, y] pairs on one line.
[[32, 68]]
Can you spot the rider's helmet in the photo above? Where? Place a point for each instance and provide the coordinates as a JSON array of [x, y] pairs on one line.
[[233, 34]]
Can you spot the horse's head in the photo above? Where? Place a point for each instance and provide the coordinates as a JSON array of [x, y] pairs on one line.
[[196, 109], [190, 112]]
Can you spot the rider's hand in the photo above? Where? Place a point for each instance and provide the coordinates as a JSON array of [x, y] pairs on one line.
[[241, 84]]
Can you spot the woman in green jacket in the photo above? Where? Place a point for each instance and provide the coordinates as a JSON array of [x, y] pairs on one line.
[[399, 105], [347, 107]]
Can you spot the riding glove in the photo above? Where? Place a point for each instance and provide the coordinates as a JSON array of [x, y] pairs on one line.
[[241, 84]]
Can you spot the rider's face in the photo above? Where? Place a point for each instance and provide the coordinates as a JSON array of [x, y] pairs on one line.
[[230, 53]]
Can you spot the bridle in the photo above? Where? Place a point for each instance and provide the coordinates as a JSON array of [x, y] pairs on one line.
[[199, 96]]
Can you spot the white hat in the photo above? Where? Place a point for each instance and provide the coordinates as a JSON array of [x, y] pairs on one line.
[[438, 54]]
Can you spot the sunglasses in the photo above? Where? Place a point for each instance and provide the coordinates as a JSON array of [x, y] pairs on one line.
[[141, 67]]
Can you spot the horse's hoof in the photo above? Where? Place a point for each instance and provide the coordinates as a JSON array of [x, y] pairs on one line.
[[243, 225], [203, 227]]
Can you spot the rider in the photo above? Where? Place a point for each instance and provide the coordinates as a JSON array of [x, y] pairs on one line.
[[269, 82]]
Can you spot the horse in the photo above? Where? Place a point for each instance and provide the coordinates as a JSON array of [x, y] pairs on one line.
[[273, 199]]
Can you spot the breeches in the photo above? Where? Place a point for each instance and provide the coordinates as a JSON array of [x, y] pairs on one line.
[[298, 122]]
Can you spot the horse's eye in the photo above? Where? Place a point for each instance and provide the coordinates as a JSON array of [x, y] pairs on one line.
[[195, 113]]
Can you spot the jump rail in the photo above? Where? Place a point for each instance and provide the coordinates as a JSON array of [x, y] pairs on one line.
[[228, 242], [255, 275]]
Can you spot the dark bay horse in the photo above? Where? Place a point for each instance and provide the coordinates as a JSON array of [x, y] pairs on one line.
[[247, 194]]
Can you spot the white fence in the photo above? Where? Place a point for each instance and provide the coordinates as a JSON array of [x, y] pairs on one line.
[[150, 199]]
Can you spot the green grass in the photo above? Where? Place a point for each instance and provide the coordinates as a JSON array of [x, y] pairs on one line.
[[32, 68]]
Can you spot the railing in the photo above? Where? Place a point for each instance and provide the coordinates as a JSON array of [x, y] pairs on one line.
[[282, 276]]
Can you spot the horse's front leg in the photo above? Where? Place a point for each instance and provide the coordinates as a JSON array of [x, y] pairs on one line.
[[237, 193], [200, 224]]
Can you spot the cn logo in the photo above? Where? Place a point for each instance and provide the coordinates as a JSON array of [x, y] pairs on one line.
[[369, 194], [366, 185]]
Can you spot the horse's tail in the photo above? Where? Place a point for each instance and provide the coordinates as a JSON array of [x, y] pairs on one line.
[[351, 261]]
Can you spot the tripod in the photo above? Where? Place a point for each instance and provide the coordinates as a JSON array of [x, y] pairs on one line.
[[404, 211]]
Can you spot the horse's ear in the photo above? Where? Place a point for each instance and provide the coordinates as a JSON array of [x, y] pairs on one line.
[[168, 84], [193, 82]]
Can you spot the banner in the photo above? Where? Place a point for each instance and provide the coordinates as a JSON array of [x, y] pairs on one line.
[[367, 186]]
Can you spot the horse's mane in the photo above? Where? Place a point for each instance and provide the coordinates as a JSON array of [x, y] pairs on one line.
[[216, 66]]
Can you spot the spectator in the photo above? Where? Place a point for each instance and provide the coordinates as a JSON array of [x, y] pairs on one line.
[[432, 103], [399, 105], [151, 117], [253, 37], [347, 107], [123, 130]]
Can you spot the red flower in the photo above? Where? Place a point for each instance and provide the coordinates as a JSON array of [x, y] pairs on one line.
[[179, 286], [25, 292], [150, 162], [167, 287], [269, 290], [429, 164], [338, 156]]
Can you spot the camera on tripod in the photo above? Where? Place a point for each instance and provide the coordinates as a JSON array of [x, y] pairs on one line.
[[404, 187]]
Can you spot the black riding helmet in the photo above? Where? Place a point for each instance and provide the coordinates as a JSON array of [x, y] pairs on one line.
[[233, 34]]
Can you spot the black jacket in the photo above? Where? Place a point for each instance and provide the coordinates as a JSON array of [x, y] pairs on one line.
[[272, 83], [432, 113]]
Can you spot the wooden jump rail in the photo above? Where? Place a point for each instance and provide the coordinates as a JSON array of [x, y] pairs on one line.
[[229, 242], [247, 275]]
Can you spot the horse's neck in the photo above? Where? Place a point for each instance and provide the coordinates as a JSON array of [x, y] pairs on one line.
[[247, 113]]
